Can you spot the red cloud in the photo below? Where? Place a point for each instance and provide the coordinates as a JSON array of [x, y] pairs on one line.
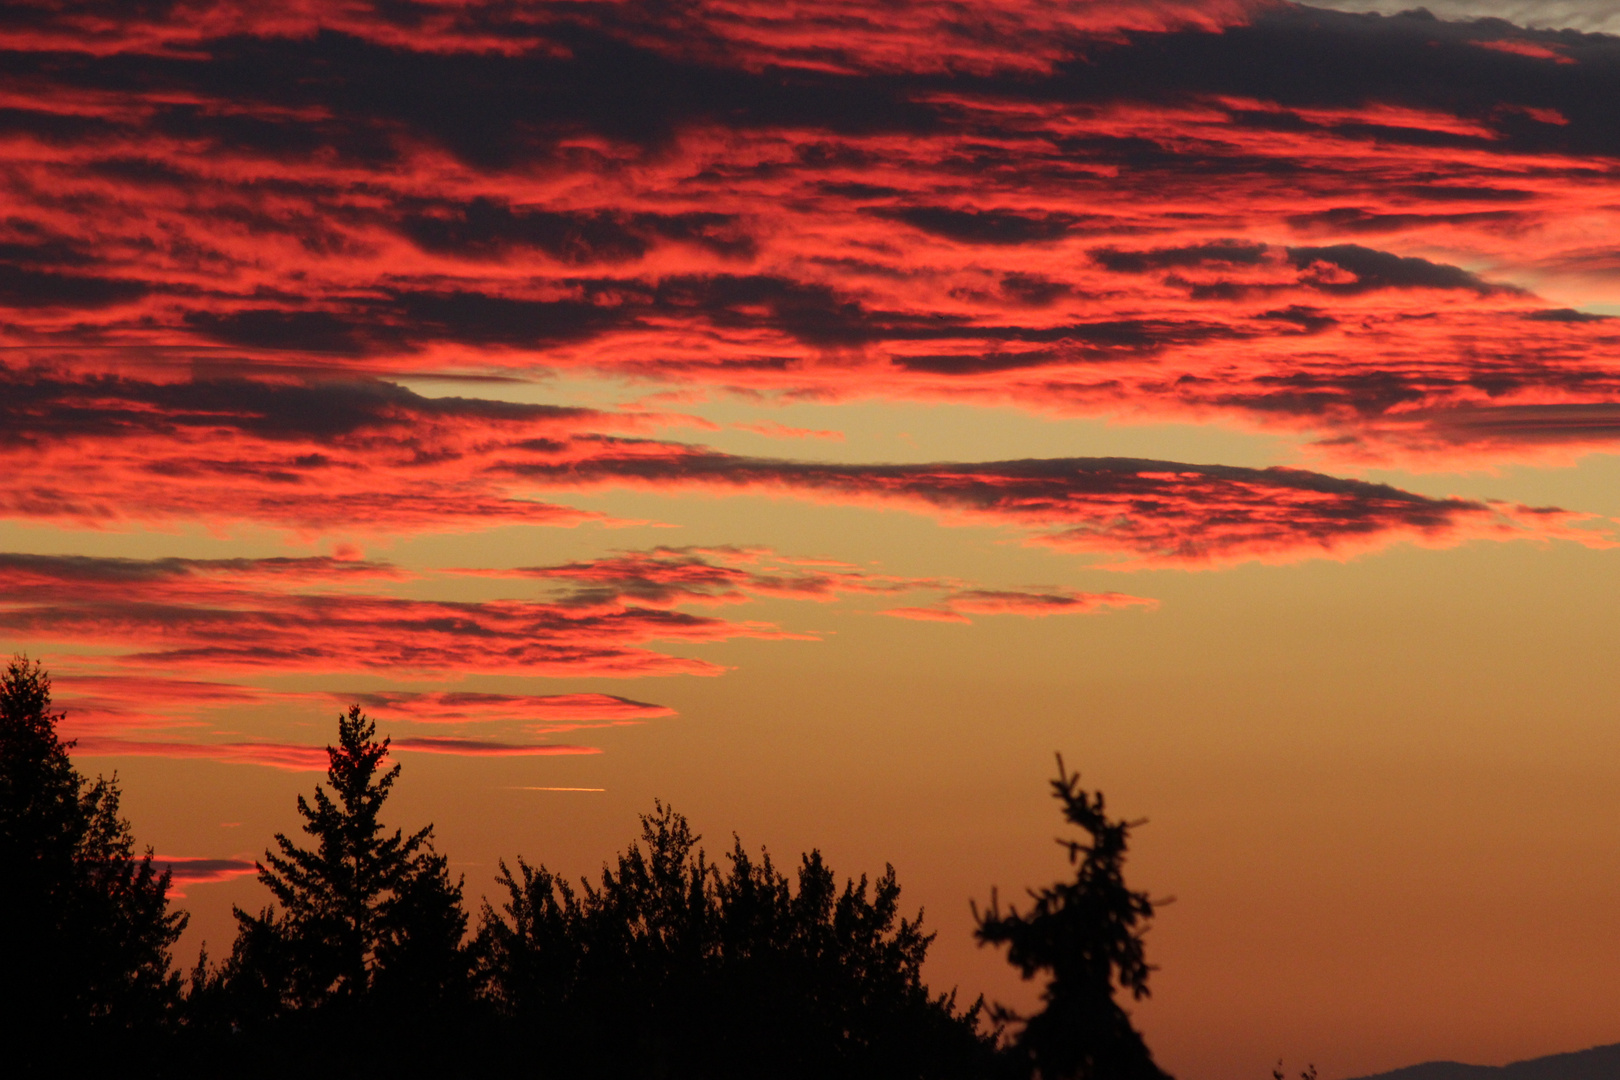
[[729, 575], [487, 473], [273, 754], [1154, 512], [1164, 222], [546, 710], [956, 606], [185, 871], [444, 744], [194, 615], [212, 287], [102, 705], [927, 614], [158, 623], [1038, 604], [99, 705], [664, 577], [99, 451], [772, 430], [299, 758]]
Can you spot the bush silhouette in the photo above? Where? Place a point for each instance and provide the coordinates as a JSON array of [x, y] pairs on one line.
[[1087, 934], [672, 967], [85, 930]]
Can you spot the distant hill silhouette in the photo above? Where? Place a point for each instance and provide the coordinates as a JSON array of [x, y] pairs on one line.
[[1598, 1063]]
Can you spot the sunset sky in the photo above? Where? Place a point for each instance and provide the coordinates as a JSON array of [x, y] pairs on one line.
[[817, 413]]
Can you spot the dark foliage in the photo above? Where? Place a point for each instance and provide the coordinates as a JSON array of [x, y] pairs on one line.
[[369, 931], [668, 966], [85, 930], [1087, 934], [672, 967], [1307, 1073]]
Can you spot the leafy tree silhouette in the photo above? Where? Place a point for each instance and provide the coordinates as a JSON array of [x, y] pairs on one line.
[[671, 967], [1088, 934], [367, 918], [85, 930]]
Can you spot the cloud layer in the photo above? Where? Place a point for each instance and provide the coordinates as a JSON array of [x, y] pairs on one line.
[[234, 232], [372, 457], [160, 634], [1329, 223]]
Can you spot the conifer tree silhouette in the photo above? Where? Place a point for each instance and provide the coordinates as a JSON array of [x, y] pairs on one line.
[[85, 930], [364, 915], [1087, 934]]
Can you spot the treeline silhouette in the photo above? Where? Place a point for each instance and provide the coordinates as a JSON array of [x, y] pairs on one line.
[[668, 966]]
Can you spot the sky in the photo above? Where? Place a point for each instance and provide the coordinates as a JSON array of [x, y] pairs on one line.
[[816, 415]]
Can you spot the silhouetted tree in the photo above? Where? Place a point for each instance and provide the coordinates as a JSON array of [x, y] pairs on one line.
[[85, 930], [1087, 933], [366, 918], [830, 979], [670, 967]]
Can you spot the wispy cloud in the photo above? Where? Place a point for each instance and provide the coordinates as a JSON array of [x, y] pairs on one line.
[[185, 871], [447, 744], [276, 755], [196, 617], [303, 758], [426, 465], [669, 576], [956, 607], [538, 711], [149, 642]]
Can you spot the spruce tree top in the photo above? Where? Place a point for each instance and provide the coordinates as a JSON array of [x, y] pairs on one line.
[[1087, 935]]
